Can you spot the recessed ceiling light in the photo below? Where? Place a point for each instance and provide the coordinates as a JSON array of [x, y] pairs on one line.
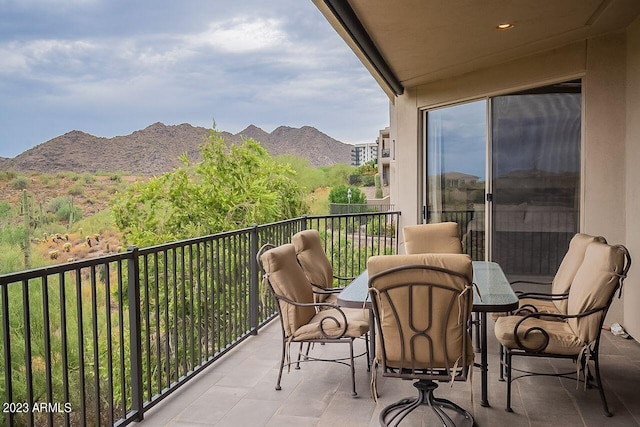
[[505, 26]]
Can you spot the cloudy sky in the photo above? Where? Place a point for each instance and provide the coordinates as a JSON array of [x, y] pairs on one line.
[[110, 67]]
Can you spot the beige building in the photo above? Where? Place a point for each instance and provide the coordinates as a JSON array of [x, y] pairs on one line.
[[554, 100]]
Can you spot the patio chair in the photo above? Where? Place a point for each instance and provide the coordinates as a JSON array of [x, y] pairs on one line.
[[575, 335], [436, 238], [554, 301], [422, 307], [316, 266], [302, 319]]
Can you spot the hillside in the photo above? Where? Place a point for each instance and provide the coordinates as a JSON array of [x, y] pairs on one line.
[[155, 149]]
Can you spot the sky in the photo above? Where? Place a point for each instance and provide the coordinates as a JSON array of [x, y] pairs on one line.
[[111, 67]]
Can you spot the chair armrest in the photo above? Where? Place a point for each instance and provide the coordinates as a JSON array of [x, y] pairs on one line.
[[532, 282], [320, 305], [543, 296], [327, 291], [539, 315]]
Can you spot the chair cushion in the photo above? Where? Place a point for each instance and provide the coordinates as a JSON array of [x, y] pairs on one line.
[[313, 260], [357, 324], [543, 306], [428, 348], [288, 280], [432, 238], [569, 266], [562, 339], [593, 285]]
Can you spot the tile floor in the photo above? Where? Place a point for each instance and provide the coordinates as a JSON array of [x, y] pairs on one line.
[[238, 390]]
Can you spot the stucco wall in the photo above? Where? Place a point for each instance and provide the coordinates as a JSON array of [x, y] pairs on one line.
[[604, 114], [632, 286]]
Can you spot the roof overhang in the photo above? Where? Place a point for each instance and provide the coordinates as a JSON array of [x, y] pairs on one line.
[[406, 43]]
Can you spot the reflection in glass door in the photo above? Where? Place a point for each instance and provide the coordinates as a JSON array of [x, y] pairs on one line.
[[535, 177], [456, 168]]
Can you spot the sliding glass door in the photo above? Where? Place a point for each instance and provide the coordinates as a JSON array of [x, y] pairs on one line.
[[507, 170], [535, 172], [456, 169]]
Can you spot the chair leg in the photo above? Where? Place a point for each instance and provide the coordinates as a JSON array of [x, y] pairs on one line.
[[353, 369], [501, 357], [366, 343], [508, 360], [281, 366], [393, 414], [607, 413], [306, 354]]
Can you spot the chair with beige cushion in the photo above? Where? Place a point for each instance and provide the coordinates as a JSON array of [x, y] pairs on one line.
[[302, 319], [422, 306], [576, 334], [436, 238], [316, 265], [556, 300]]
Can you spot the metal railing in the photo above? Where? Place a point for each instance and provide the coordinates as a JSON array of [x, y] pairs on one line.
[[101, 341], [348, 208]]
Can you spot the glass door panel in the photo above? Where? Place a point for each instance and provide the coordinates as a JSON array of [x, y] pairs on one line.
[[456, 170], [535, 169]]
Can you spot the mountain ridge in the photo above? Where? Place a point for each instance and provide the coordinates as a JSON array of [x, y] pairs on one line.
[[156, 149]]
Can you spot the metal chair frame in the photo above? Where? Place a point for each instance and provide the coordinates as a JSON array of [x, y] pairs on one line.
[[593, 348], [393, 414], [327, 337]]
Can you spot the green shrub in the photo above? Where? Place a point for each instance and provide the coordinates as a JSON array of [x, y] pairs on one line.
[[5, 209], [76, 189], [20, 182], [340, 194], [7, 175], [69, 213]]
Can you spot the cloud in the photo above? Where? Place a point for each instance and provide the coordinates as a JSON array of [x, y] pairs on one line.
[[242, 35], [108, 72]]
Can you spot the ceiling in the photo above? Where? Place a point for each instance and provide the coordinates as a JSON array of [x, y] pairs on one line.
[[420, 41]]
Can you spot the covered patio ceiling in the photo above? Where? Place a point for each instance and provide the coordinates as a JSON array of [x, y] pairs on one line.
[[411, 42]]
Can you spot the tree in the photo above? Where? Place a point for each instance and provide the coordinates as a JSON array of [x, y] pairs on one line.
[[306, 175], [340, 194], [232, 187]]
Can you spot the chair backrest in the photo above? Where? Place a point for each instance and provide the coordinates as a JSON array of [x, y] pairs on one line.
[[313, 259], [595, 283], [287, 280], [439, 238], [422, 304], [569, 266]]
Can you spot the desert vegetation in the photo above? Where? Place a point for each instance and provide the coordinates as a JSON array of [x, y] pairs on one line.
[[46, 219]]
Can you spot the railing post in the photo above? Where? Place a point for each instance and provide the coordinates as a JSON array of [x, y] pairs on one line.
[[135, 340], [304, 222], [254, 296]]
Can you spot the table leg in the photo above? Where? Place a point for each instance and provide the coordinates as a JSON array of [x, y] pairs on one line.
[[483, 358]]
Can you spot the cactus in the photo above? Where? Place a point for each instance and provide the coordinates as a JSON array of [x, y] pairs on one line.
[[26, 244]]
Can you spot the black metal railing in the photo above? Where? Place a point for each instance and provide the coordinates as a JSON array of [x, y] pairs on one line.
[[348, 208], [101, 341]]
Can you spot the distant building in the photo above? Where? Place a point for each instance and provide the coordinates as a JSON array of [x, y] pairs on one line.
[[363, 153], [385, 155]]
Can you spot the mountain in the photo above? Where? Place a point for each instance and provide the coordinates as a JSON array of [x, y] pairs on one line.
[[156, 149]]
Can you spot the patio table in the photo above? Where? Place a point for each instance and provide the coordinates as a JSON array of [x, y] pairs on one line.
[[495, 295]]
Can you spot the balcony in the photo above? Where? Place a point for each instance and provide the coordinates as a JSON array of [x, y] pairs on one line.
[[183, 334], [239, 391]]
